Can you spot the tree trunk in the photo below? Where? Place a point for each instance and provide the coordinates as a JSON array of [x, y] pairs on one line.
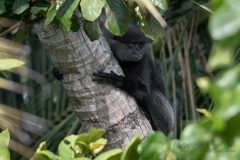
[[96, 105]]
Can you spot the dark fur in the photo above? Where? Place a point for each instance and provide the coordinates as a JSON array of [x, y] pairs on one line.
[[142, 79]]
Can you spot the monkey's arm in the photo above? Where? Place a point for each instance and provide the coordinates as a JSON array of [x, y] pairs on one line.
[[134, 88]]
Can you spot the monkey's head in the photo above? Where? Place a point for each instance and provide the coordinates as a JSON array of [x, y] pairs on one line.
[[128, 47]]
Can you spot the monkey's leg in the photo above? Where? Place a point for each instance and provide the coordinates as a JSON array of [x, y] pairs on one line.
[[57, 74], [161, 112]]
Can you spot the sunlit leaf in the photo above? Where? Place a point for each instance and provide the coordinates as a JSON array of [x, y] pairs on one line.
[[41, 147], [20, 6], [151, 27], [65, 13], [117, 17], [113, 154], [44, 155], [130, 151], [67, 146], [225, 22], [51, 13], [97, 146], [4, 141], [91, 9], [10, 63]]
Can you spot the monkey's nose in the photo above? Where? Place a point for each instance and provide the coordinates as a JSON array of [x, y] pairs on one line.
[[137, 48]]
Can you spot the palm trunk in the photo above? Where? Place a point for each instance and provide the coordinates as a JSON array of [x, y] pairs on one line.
[[96, 105]]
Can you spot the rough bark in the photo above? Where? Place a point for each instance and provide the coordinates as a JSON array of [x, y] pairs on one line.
[[96, 105]]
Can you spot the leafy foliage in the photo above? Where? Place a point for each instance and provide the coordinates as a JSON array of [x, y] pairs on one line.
[[4, 141], [118, 14]]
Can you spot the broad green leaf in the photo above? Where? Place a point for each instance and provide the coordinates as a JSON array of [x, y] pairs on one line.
[[4, 138], [81, 158], [223, 50], [91, 9], [91, 29], [161, 6], [44, 155], [204, 84], [225, 21], [10, 63], [195, 140], [75, 25], [65, 24], [51, 13], [117, 17], [97, 146], [113, 154], [95, 134], [150, 26], [22, 32], [155, 147], [19, 6], [130, 151], [41, 5], [65, 13], [83, 137], [4, 141], [67, 146], [2, 6]]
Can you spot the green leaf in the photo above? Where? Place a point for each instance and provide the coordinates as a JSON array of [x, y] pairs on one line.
[[5, 73], [91, 29], [97, 146], [155, 147], [117, 17], [91, 9], [81, 158], [51, 13], [83, 137], [4, 141], [44, 155], [75, 25], [113, 154], [65, 13], [2, 6], [225, 21], [10, 63], [41, 147], [130, 152], [195, 140], [67, 147], [41, 5], [59, 3], [161, 6], [151, 27], [22, 32], [95, 134], [19, 6]]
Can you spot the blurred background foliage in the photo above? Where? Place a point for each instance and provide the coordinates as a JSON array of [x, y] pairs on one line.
[[34, 106]]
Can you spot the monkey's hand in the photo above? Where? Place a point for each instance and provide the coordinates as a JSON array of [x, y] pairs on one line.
[[112, 78], [57, 74]]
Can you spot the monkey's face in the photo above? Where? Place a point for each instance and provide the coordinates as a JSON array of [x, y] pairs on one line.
[[134, 51]]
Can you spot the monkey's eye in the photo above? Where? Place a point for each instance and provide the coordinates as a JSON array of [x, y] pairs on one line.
[[131, 44]]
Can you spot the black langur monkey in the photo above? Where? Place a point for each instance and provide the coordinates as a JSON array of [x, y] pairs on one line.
[[142, 79]]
